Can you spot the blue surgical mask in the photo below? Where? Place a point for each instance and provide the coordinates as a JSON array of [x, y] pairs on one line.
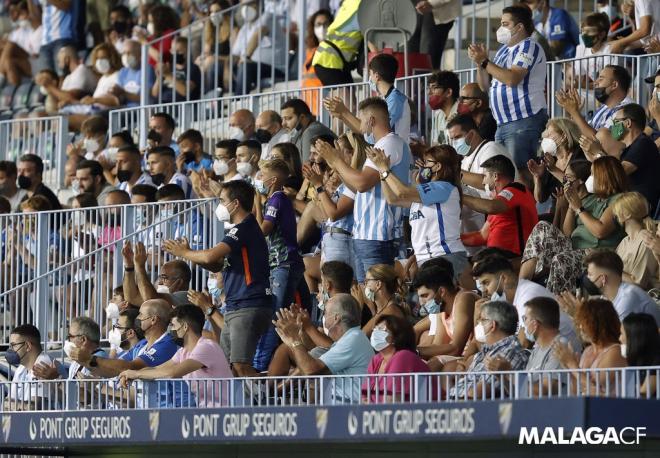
[[214, 291], [13, 357], [461, 146], [372, 86], [379, 339], [497, 296], [432, 307], [537, 15], [528, 335], [260, 187], [369, 138], [325, 297]]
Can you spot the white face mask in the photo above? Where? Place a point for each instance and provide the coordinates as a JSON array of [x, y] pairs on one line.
[[504, 35], [75, 187], [379, 339], [112, 311], [220, 167], [326, 331], [236, 133], [222, 213], [23, 24], [77, 218], [43, 91], [163, 289], [589, 184], [480, 333], [244, 168], [624, 352], [216, 18], [249, 13], [102, 66], [114, 338], [129, 61], [548, 145], [91, 145], [151, 28], [370, 294], [320, 32], [68, 346], [111, 154]]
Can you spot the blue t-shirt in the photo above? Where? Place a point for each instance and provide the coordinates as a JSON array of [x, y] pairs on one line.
[[159, 353], [350, 355], [206, 163], [399, 111], [246, 274], [282, 240], [560, 26], [131, 80]]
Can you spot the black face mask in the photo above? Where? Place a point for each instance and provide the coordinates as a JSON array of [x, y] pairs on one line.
[[188, 156], [158, 178], [124, 175], [176, 339], [601, 94], [263, 136], [120, 27], [154, 136], [588, 286], [24, 182]]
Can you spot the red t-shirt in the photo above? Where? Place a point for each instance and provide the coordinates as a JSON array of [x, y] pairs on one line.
[[509, 230]]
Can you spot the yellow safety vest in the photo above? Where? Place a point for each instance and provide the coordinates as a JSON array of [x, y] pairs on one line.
[[345, 34]]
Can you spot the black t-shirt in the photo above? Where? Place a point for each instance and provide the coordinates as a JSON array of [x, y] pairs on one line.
[[643, 153], [43, 190], [488, 126], [170, 95], [246, 274]]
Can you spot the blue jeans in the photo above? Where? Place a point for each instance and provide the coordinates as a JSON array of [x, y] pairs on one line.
[[48, 53], [337, 247], [370, 252], [521, 138], [284, 280]]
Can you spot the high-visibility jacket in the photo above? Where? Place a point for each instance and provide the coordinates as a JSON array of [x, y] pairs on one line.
[[310, 81], [345, 34]]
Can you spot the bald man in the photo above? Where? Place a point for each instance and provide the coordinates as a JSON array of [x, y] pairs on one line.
[[156, 348], [270, 132], [241, 125], [473, 101]]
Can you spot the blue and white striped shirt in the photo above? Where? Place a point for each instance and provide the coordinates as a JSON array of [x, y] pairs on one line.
[[345, 223], [527, 98], [374, 218], [184, 183], [57, 24], [604, 115]]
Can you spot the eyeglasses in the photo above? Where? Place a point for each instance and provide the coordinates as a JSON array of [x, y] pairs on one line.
[[145, 318], [72, 336], [121, 328], [16, 345], [463, 98], [432, 87], [166, 277], [619, 119], [483, 320]]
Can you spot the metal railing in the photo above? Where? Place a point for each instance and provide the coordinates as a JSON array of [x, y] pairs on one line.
[[46, 137], [284, 59], [72, 395], [62, 264]]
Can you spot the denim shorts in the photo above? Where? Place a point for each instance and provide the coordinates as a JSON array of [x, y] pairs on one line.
[[459, 261], [337, 247], [370, 252], [521, 138]]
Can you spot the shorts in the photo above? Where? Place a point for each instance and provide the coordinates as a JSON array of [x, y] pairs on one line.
[[337, 247], [370, 252], [242, 331]]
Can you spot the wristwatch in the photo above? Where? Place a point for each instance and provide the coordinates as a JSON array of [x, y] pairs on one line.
[[579, 210], [484, 64], [93, 362], [385, 174], [320, 189], [210, 310]]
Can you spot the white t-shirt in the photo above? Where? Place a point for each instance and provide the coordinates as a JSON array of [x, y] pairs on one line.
[[15, 201], [27, 38], [81, 79], [592, 67], [472, 220], [105, 84], [528, 290], [22, 392], [648, 8], [633, 299]]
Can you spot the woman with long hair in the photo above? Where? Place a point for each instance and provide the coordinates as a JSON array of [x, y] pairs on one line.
[[640, 345], [381, 288], [435, 205], [555, 255], [631, 210]]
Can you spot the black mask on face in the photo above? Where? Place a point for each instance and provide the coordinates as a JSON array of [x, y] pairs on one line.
[[176, 339], [158, 178], [188, 156], [263, 136], [120, 27], [124, 175], [601, 94], [154, 136], [24, 182]]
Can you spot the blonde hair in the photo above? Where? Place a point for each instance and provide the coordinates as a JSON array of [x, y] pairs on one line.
[[569, 130], [633, 205], [278, 166], [359, 145]]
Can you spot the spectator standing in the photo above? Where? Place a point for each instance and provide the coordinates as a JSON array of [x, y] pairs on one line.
[[59, 21], [557, 26], [317, 30], [435, 21], [248, 299], [518, 67], [443, 91]]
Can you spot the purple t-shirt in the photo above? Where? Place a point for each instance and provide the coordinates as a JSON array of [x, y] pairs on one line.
[[282, 240], [402, 362], [208, 353]]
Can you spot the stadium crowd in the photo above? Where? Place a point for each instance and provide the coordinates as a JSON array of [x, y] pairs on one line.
[[371, 252]]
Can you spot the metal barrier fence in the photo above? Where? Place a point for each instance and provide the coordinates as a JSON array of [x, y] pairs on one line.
[[231, 69], [73, 395], [62, 264], [46, 137]]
